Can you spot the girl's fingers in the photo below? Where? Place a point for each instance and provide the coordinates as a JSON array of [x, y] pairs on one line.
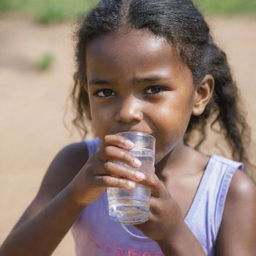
[[157, 186], [121, 155], [119, 141], [115, 169], [112, 174], [114, 147], [108, 181]]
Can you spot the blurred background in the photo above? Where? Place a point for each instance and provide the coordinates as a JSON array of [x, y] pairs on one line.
[[36, 68]]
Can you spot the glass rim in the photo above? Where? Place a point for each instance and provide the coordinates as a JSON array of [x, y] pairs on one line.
[[143, 134]]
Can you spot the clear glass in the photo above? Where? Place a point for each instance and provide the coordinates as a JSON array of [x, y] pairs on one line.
[[132, 206]]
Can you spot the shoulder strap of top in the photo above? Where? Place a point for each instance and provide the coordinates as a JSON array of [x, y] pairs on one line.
[[92, 145], [209, 201], [228, 169], [231, 163]]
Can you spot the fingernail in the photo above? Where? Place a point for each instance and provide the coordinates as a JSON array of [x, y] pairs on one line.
[[140, 175], [131, 184], [137, 163], [129, 144]]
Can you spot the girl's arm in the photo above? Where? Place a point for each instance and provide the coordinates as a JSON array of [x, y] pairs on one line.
[[50, 215], [68, 187], [237, 235]]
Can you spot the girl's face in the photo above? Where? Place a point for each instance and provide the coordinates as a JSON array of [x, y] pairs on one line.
[[137, 82]]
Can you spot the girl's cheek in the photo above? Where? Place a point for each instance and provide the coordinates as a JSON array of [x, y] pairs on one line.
[[101, 120]]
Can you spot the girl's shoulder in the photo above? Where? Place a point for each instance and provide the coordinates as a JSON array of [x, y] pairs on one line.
[[70, 158], [73, 153], [64, 167], [238, 222]]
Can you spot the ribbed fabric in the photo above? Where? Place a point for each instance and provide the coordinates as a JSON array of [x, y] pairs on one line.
[[96, 235]]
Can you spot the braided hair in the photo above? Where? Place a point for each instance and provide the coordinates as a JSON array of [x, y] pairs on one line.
[[182, 24]]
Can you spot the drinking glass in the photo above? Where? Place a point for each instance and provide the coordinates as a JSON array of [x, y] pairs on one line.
[[132, 206]]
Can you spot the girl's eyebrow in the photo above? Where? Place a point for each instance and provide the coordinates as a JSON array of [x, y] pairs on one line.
[[150, 79], [97, 81]]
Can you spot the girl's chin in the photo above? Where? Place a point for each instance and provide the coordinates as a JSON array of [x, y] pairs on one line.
[[160, 156], [167, 151]]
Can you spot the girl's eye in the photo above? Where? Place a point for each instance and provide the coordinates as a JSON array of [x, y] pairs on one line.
[[104, 93], [155, 89]]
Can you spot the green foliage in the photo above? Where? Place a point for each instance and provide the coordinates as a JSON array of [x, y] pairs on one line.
[[48, 11], [45, 62], [50, 14], [51, 11], [5, 5], [12, 5], [227, 6]]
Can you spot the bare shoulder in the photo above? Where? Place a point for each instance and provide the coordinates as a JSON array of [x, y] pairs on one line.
[[241, 197], [64, 166], [242, 189], [238, 228]]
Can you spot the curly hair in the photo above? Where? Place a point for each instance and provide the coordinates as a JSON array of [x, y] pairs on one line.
[[182, 24]]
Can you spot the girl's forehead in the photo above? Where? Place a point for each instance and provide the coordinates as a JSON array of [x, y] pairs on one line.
[[133, 48], [131, 39]]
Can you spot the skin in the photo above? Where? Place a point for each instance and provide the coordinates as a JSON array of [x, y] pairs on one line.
[[119, 64], [118, 102], [115, 63], [124, 97]]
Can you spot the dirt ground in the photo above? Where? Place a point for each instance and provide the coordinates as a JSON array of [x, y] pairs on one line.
[[32, 103]]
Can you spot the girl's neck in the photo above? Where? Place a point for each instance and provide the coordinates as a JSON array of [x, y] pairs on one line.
[[183, 160]]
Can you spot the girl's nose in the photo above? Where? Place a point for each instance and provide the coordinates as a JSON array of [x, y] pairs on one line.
[[129, 110]]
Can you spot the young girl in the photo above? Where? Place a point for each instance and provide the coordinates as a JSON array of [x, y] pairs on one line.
[[149, 66]]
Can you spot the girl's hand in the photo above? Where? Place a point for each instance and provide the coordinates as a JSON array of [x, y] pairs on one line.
[[165, 216], [101, 172]]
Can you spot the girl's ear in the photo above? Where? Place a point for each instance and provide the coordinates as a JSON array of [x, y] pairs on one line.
[[203, 94]]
